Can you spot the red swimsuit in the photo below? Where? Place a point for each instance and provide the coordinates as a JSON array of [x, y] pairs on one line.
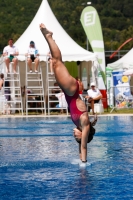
[[74, 111]]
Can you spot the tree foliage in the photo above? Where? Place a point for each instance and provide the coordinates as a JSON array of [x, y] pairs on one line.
[[116, 19]]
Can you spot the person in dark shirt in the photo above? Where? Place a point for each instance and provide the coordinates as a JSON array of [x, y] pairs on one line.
[[1, 81], [7, 91]]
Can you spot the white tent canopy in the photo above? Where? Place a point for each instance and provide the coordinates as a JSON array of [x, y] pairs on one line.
[[70, 50], [126, 62], [128, 72]]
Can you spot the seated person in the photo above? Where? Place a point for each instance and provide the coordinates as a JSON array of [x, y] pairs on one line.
[[10, 52], [7, 94], [23, 91], [1, 81], [50, 62], [55, 91], [2, 98], [7, 90], [33, 56], [30, 96], [62, 101], [94, 96]]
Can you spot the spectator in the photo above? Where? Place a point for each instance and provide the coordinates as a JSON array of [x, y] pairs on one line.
[[62, 101], [55, 91], [33, 56], [7, 90], [2, 98], [94, 96], [23, 91], [50, 62], [1, 81], [7, 93], [10, 52]]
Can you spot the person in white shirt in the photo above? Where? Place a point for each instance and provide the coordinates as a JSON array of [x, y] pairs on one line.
[[94, 96], [10, 52], [32, 56], [62, 101]]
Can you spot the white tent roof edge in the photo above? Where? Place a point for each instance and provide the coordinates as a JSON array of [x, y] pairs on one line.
[[126, 62], [70, 50]]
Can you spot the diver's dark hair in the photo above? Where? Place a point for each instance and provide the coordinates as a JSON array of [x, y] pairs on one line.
[[92, 131], [91, 134]]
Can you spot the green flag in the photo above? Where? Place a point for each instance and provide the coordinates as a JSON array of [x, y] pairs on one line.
[[92, 27]]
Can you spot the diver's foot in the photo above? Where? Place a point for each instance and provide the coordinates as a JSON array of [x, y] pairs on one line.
[[45, 31]]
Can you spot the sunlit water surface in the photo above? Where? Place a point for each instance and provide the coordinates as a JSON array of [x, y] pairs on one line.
[[38, 160]]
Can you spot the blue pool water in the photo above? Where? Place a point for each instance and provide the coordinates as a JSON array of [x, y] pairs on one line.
[[38, 160]]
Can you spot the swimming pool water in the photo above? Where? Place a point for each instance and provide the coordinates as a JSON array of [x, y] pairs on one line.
[[37, 156]]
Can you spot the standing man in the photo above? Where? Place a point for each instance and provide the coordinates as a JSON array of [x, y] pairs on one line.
[[10, 52], [94, 96]]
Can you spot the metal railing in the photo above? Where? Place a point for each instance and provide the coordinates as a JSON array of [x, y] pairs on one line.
[[118, 55]]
